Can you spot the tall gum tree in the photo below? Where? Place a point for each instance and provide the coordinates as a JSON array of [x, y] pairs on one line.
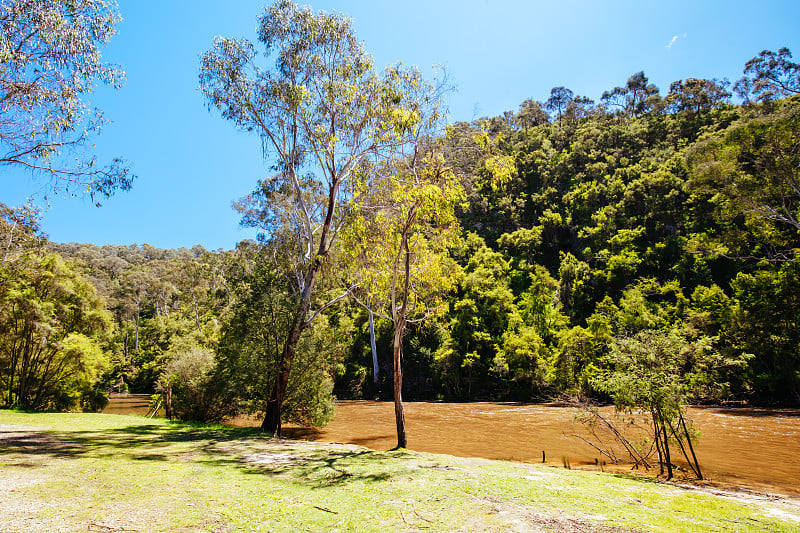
[[321, 110]]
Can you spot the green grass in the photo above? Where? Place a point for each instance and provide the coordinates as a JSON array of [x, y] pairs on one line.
[[86, 472]]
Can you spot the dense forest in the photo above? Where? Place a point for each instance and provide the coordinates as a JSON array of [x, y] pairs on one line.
[[672, 213], [670, 217]]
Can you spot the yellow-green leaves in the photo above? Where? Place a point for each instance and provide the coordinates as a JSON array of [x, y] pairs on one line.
[[502, 169], [403, 120], [50, 318], [405, 211]]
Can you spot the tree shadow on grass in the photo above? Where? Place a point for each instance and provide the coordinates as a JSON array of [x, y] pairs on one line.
[[327, 466], [248, 449], [106, 443]]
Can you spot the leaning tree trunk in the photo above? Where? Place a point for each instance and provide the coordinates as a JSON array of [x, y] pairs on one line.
[[657, 440], [662, 423], [691, 448], [272, 418], [274, 410]]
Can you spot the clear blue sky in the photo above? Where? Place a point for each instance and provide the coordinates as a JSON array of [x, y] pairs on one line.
[[191, 164]]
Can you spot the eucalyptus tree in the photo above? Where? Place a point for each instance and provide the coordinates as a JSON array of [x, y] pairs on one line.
[[560, 97], [399, 240], [531, 114], [321, 110], [19, 230], [751, 170], [769, 76], [49, 61], [696, 96], [637, 97]]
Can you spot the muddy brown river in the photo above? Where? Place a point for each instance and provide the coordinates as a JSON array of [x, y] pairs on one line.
[[753, 448]]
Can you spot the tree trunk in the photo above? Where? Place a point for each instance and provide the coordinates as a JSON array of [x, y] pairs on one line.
[[10, 237], [168, 402], [372, 344], [12, 375], [691, 448], [136, 343], [196, 314], [125, 343], [679, 441], [657, 440], [399, 319], [665, 444], [272, 417], [399, 417]]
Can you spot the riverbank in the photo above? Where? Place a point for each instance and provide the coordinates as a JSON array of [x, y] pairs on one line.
[[747, 448], [87, 472], [754, 449]]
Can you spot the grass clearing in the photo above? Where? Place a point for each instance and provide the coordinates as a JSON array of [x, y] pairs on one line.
[[88, 472]]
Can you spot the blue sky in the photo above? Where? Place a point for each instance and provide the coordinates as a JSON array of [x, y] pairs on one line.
[[191, 164]]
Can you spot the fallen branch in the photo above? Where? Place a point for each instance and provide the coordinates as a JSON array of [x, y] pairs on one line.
[[634, 454], [611, 456]]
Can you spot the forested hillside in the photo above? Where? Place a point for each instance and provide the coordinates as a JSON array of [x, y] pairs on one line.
[[675, 213], [583, 224]]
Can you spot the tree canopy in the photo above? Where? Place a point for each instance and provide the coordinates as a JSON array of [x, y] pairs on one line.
[[50, 60]]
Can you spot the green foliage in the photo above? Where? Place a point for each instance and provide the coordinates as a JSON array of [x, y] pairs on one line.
[[522, 358], [19, 229], [186, 384], [576, 361], [49, 321], [478, 319], [647, 218], [646, 371], [649, 373], [636, 98], [644, 217], [750, 170], [769, 76], [323, 114], [575, 285], [155, 296], [766, 324], [250, 346]]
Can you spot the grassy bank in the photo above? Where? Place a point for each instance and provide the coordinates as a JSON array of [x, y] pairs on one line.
[[84, 472]]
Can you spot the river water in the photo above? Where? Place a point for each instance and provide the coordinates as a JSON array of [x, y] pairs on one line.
[[753, 448]]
